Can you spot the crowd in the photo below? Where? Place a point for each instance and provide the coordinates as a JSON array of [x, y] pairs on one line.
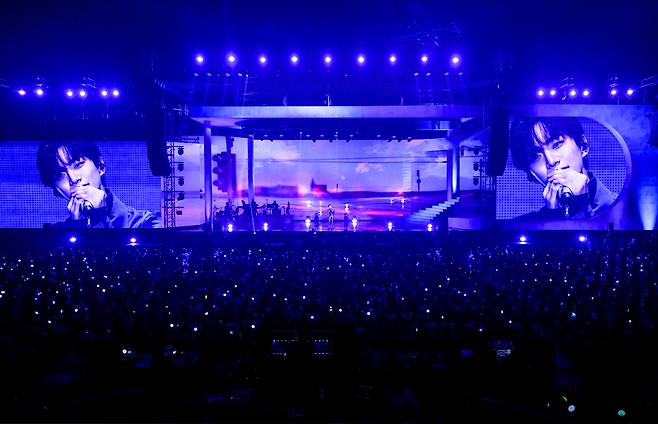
[[285, 333]]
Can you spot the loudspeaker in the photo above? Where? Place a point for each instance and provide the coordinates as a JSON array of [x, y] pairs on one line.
[[156, 143], [498, 141]]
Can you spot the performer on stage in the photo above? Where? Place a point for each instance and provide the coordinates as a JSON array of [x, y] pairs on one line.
[[331, 213]]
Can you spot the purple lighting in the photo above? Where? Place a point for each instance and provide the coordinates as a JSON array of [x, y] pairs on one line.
[[553, 92], [200, 59], [455, 59], [540, 92], [630, 92], [22, 92], [69, 93], [573, 92], [294, 59], [73, 239], [327, 59], [115, 93], [361, 59], [39, 91], [82, 93], [262, 59], [231, 59], [424, 58], [392, 59], [582, 238], [613, 92], [586, 93], [104, 93]]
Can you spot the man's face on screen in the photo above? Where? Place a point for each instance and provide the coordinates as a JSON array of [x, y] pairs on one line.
[[81, 172], [555, 151]]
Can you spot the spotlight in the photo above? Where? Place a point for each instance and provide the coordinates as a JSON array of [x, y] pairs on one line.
[[455, 59], [22, 92], [392, 59], [230, 228], [69, 93], [104, 93], [200, 59], [553, 92], [294, 59], [573, 92], [613, 92], [424, 59], [361, 59], [82, 93], [39, 91], [133, 240], [354, 223], [115, 93], [181, 166], [327, 59], [523, 239], [266, 226], [630, 92], [73, 239], [262, 59], [540, 93], [585, 93], [389, 226], [181, 181], [231, 59], [429, 227], [582, 238], [307, 222]]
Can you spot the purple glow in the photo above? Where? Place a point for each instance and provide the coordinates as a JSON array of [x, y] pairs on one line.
[[231, 59], [582, 238], [133, 240], [294, 59], [82, 93], [455, 59], [523, 239], [392, 59], [540, 92], [327, 59], [22, 92], [586, 93], [39, 91], [69, 93], [573, 92], [200, 59], [630, 92], [73, 239], [553, 92], [613, 92], [424, 58], [361, 59], [115, 93], [262, 59], [104, 93]]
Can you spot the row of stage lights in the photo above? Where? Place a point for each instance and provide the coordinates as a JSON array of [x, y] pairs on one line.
[[82, 93], [585, 93], [361, 59]]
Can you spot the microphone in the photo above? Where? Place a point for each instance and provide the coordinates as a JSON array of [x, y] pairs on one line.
[[564, 195], [86, 207]]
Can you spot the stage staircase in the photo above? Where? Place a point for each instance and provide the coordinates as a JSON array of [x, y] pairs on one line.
[[425, 216]]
